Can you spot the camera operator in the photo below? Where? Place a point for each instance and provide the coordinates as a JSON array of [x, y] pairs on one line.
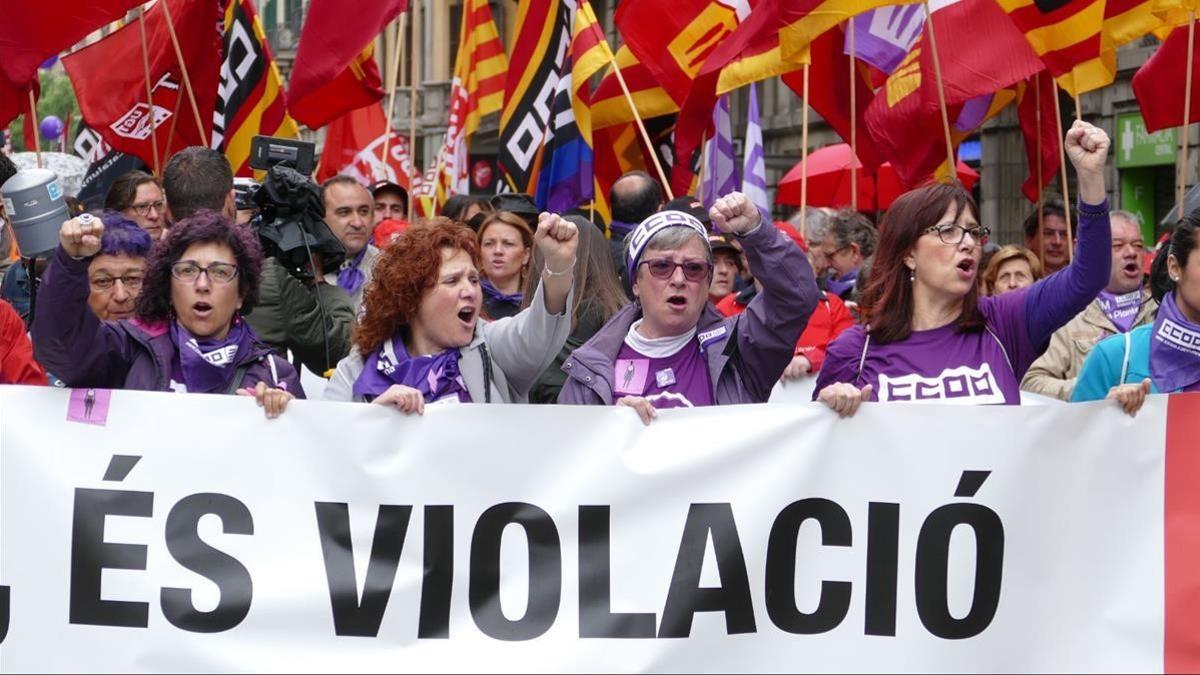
[[313, 320]]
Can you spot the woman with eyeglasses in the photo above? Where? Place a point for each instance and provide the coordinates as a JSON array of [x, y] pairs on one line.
[[927, 336], [115, 274], [672, 348], [188, 334], [139, 197]]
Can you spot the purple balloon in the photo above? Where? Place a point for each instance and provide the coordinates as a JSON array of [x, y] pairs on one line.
[[49, 63], [51, 127]]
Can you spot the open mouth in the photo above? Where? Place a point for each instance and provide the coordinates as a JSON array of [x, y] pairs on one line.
[[202, 308], [677, 301], [466, 315], [967, 265], [1132, 269]]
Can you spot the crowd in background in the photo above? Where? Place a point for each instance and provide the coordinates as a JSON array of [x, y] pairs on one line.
[[170, 288]]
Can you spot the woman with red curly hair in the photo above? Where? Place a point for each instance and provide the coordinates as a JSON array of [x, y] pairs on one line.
[[421, 339]]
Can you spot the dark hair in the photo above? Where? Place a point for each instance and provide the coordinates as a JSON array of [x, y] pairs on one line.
[[848, 226], [404, 274], [154, 304], [123, 191], [196, 179], [887, 303], [122, 236], [1052, 206], [7, 168], [457, 206], [342, 179], [638, 201], [1181, 245], [597, 287]]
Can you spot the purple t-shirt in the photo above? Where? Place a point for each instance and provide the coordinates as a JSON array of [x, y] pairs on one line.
[[680, 380]]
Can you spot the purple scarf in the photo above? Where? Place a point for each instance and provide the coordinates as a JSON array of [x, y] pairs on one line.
[[208, 366], [1174, 350], [496, 294], [350, 277], [1121, 310], [843, 284], [436, 376]]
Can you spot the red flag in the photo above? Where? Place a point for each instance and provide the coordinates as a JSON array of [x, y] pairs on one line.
[[354, 146], [1159, 84], [1038, 104], [29, 130], [32, 32], [110, 83], [335, 70], [829, 92]]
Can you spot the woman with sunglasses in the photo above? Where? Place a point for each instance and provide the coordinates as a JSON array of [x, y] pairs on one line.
[[188, 333], [672, 348], [926, 334]]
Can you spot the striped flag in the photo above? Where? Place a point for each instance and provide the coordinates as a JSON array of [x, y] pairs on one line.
[[754, 171], [476, 91], [568, 177], [609, 106], [538, 62], [250, 101], [720, 163]]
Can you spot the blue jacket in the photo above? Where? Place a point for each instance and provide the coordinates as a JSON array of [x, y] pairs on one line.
[[1103, 367]]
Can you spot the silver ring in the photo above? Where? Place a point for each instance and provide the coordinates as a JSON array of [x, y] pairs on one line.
[[86, 219]]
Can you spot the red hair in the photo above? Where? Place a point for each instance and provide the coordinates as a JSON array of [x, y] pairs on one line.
[[887, 303], [404, 274]]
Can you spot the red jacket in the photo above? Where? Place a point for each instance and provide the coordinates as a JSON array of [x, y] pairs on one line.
[[826, 323], [16, 353]]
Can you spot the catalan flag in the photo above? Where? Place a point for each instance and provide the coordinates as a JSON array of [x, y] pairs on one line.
[[250, 101], [476, 91], [609, 105], [538, 62]]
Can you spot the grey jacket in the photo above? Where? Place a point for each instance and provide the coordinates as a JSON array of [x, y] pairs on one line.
[[519, 347]]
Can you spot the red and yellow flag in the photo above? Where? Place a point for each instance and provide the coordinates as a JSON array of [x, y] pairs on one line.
[[609, 105]]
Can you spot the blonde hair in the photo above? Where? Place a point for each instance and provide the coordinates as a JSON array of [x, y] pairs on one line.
[[1006, 254]]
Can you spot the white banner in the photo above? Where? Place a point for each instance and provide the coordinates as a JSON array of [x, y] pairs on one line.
[[164, 532]]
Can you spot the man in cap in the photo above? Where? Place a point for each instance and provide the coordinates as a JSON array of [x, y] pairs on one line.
[[391, 201]]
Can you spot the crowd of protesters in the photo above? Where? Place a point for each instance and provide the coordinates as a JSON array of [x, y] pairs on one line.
[[669, 305]]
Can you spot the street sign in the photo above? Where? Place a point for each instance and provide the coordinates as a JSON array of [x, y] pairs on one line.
[[1137, 147]]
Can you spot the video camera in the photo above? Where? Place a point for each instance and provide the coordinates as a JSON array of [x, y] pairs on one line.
[[291, 219]]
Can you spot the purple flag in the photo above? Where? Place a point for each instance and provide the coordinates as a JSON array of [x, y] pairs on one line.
[[754, 171], [720, 164], [884, 36]]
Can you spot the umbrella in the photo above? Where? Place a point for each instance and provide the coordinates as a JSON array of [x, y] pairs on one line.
[[828, 180], [890, 188], [70, 168]]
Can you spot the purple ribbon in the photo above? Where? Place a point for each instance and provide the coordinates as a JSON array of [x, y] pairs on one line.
[[350, 277], [496, 294], [207, 366], [1174, 350], [436, 376], [843, 284], [1121, 310]]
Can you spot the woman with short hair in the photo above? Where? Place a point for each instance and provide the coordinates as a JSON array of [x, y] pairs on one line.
[[1011, 269], [421, 339], [139, 197], [188, 333], [116, 273], [926, 335]]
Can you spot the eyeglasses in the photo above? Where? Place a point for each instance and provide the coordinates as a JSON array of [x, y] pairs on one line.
[[144, 207], [188, 271], [693, 270], [131, 282], [954, 235]]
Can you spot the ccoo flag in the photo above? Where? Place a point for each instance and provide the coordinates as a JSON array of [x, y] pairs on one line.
[[250, 101], [754, 172], [720, 164]]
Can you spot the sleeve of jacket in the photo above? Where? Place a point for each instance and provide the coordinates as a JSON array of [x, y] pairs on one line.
[[290, 316], [1101, 371], [341, 387], [17, 365], [767, 331], [68, 339], [525, 345], [1048, 374], [1058, 298]]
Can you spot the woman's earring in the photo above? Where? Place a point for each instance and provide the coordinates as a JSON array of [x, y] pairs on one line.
[[912, 276]]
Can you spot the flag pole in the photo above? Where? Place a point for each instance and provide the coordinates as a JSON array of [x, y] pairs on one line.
[[1187, 112], [393, 80], [1041, 197], [1062, 160], [149, 90], [662, 175], [853, 119], [37, 141], [937, 71], [174, 123], [187, 81], [804, 159], [415, 63]]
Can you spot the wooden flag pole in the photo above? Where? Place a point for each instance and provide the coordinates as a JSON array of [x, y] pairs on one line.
[[37, 141], [853, 119], [1062, 161], [1187, 112], [393, 80], [937, 71], [804, 159], [187, 81], [662, 175], [149, 91], [174, 123], [1041, 197], [413, 88]]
